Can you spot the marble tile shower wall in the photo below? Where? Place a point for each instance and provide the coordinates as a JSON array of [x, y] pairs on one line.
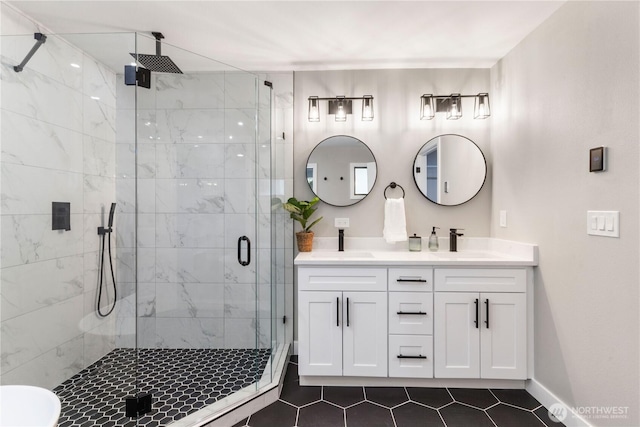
[[58, 144], [197, 184]]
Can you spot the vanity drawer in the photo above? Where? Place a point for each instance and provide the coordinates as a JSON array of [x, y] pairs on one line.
[[342, 279], [411, 279], [411, 356], [480, 279], [418, 313]]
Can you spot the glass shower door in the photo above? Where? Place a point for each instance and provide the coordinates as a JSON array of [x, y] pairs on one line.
[[199, 247]]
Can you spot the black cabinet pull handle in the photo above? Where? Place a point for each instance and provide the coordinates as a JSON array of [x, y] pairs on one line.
[[486, 322], [400, 356], [412, 280], [338, 311], [240, 240], [347, 312], [477, 314], [412, 313]]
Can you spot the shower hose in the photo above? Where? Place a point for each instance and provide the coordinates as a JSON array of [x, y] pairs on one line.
[[113, 277]]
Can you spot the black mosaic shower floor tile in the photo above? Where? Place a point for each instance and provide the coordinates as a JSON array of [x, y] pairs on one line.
[[181, 382]]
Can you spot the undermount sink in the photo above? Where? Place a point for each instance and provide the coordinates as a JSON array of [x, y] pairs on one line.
[[341, 255], [22, 405]]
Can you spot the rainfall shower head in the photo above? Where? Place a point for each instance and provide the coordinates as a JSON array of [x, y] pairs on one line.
[[158, 62]]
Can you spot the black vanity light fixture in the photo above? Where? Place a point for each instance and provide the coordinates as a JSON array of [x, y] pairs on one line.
[[340, 107], [452, 106]]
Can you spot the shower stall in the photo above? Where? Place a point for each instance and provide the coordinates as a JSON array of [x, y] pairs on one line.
[[196, 163]]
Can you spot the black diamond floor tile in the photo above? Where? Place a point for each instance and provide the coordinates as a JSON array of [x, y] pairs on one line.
[[547, 418], [277, 414], [299, 396], [241, 423], [433, 397], [519, 398], [343, 396], [181, 381], [412, 415], [429, 407], [292, 374], [368, 415], [504, 415], [320, 414], [387, 396], [480, 398], [457, 415]]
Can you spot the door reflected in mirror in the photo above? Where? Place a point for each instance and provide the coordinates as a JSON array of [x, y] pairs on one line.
[[341, 170], [449, 170]]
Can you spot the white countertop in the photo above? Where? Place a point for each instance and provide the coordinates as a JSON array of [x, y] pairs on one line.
[[376, 252]]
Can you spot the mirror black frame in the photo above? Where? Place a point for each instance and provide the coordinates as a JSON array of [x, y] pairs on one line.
[[356, 200], [484, 159]]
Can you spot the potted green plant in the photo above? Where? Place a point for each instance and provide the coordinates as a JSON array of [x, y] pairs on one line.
[[301, 211]]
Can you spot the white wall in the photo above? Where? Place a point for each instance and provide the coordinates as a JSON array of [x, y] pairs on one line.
[[572, 85], [394, 136]]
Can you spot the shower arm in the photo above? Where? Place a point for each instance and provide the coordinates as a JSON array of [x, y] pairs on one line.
[[158, 37], [40, 39]]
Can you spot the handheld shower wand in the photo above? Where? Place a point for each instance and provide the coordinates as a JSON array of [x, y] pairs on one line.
[[104, 232]]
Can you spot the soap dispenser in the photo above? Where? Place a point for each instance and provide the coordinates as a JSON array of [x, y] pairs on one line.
[[433, 240]]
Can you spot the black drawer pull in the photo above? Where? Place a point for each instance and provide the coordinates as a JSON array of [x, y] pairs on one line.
[[413, 313], [412, 280], [337, 311], [400, 356]]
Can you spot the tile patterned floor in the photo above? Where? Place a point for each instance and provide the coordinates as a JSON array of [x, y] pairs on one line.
[[181, 381], [398, 407]]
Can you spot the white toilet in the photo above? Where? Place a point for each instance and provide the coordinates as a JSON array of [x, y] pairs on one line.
[[22, 406]]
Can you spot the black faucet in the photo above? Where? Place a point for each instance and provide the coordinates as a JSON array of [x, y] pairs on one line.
[[341, 240], [453, 239]]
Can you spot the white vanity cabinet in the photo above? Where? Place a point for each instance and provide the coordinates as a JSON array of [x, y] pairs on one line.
[[342, 322], [417, 319], [481, 326]]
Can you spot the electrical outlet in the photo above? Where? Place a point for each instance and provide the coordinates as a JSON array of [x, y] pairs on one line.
[[341, 222]]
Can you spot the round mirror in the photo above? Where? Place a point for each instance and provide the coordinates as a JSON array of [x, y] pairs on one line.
[[341, 170], [449, 170]]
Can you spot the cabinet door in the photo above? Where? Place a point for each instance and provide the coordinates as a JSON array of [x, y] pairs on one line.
[[364, 334], [456, 336], [503, 351], [319, 333]]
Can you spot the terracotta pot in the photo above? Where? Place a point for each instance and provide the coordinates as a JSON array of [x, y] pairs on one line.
[[305, 241]]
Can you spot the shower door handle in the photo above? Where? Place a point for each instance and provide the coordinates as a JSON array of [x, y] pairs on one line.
[[240, 260]]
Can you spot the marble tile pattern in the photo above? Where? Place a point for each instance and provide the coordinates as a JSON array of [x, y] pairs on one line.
[[58, 143], [204, 181]]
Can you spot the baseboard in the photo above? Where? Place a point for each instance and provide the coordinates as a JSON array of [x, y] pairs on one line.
[[550, 401]]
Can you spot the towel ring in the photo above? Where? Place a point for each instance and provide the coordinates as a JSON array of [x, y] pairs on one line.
[[393, 185]]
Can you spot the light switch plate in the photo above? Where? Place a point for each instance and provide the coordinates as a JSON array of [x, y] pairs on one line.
[[603, 223], [503, 219], [341, 222]]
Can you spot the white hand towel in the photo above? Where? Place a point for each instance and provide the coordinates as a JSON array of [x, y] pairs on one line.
[[395, 224]]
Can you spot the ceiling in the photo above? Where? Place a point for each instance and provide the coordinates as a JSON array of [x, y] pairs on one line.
[[314, 35]]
